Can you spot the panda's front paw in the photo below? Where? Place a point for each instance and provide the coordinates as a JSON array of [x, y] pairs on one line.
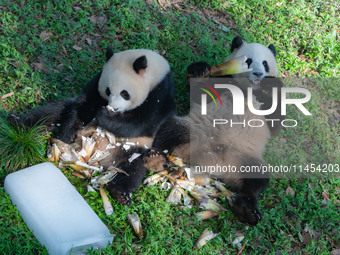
[[105, 118], [14, 118], [198, 69], [122, 197], [103, 113]]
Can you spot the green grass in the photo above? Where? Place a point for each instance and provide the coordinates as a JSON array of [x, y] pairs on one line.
[[37, 35], [20, 146]]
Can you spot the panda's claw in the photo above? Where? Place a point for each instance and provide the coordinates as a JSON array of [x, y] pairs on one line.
[[254, 217], [245, 210], [152, 153], [198, 69], [13, 118], [155, 160], [123, 198]]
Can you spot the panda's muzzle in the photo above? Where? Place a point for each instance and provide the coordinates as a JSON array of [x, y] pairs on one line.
[[258, 74], [110, 108]]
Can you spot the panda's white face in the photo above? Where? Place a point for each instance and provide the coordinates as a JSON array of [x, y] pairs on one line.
[[258, 58], [129, 76]]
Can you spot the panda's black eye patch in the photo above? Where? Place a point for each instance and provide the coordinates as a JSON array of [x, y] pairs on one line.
[[249, 61], [125, 94], [266, 67], [107, 91]]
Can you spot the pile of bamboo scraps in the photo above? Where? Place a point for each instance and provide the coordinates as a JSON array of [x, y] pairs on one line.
[[85, 157], [183, 183], [91, 156]]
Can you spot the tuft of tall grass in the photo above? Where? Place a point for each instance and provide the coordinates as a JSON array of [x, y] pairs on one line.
[[21, 146]]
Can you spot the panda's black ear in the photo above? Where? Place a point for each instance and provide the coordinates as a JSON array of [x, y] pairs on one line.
[[236, 43], [272, 48], [140, 63], [109, 53]]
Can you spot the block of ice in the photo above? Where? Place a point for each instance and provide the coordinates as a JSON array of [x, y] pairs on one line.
[[56, 213]]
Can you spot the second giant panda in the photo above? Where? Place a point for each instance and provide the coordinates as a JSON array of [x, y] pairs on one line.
[[262, 77], [131, 97], [194, 138]]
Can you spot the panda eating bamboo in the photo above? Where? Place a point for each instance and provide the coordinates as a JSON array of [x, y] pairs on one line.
[[195, 140]]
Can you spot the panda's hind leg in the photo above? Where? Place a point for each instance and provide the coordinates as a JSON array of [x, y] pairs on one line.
[[60, 117], [123, 185], [155, 161], [48, 115], [247, 187], [245, 201]]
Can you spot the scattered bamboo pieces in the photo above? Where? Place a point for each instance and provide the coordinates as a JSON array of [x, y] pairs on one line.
[[186, 184], [202, 180], [237, 241], [106, 202], [53, 154], [211, 205], [198, 186], [240, 251], [175, 195], [79, 165], [153, 179], [176, 160], [102, 180], [136, 224], [90, 189], [84, 158], [204, 215], [226, 193], [206, 236]]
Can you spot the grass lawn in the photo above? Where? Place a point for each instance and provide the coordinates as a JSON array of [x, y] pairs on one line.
[[50, 49]]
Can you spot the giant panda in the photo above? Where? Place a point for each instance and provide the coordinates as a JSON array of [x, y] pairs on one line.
[[131, 97], [193, 137], [262, 61]]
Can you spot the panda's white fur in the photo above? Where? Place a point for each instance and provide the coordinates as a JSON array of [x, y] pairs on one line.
[[257, 55], [118, 75]]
